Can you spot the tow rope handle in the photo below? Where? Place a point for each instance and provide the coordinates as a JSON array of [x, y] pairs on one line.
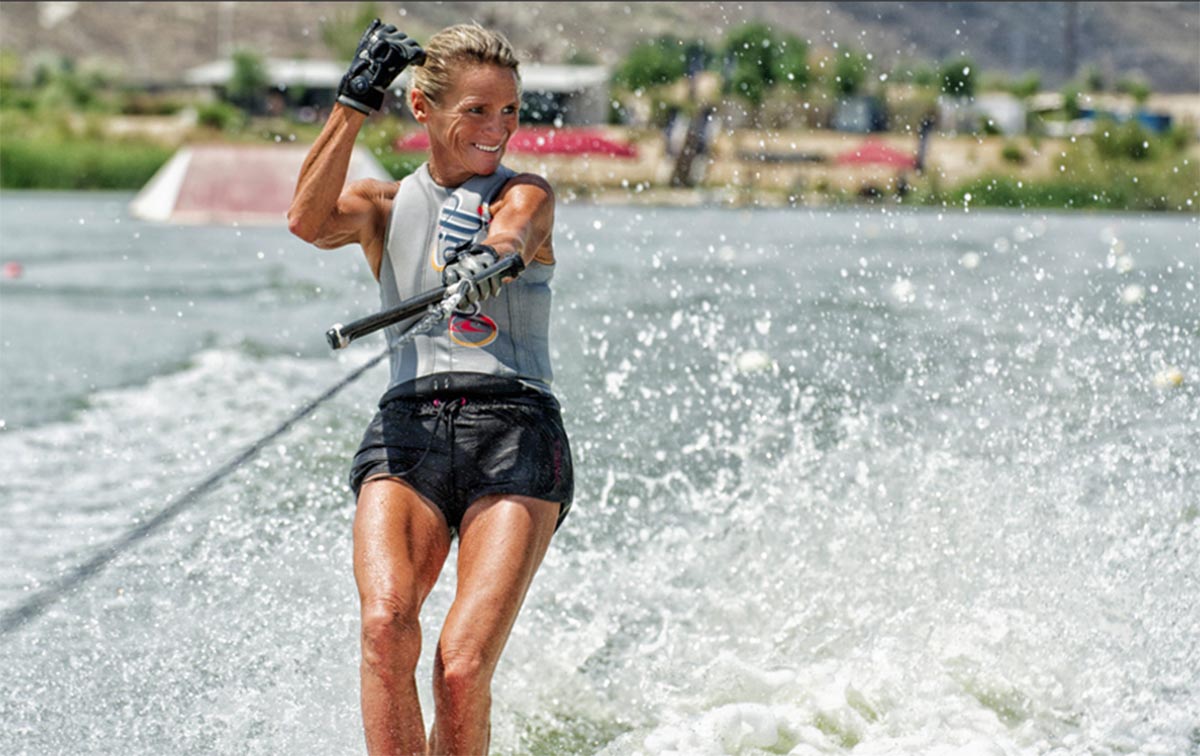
[[339, 336]]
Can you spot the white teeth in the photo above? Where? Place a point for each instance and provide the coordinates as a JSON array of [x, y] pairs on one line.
[[488, 149]]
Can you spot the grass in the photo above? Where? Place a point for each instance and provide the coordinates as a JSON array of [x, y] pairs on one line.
[[1090, 176], [57, 163], [55, 151]]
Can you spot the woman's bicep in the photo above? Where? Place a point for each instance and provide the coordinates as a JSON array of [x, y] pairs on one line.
[[359, 215], [523, 218]]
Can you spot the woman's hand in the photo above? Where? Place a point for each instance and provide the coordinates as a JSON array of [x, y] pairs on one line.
[[383, 52], [463, 265]]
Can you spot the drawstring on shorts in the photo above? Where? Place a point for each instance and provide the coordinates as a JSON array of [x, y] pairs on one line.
[[445, 411]]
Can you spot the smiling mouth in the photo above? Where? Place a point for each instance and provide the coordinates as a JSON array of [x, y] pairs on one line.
[[485, 148]]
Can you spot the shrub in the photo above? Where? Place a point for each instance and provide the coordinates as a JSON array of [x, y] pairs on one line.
[[1012, 153], [139, 103], [1027, 86], [220, 116], [1136, 88], [78, 164], [1127, 141]]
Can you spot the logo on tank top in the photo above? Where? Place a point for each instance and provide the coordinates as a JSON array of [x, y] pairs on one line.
[[456, 226], [472, 329]]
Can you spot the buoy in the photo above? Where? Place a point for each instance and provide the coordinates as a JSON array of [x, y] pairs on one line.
[[1168, 378], [903, 291], [13, 270], [754, 361], [1133, 293]]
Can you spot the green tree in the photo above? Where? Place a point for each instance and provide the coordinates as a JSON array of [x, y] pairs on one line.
[[249, 80], [756, 61], [748, 52], [60, 85], [850, 73], [790, 62], [657, 62], [958, 78]]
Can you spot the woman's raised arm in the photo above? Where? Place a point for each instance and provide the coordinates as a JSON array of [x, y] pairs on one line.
[[318, 210]]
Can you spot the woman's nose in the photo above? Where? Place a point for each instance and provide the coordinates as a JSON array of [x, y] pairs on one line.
[[496, 125]]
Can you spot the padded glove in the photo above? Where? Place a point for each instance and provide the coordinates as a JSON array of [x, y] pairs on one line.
[[383, 52], [462, 264]]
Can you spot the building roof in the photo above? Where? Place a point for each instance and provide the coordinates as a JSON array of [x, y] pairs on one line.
[[328, 74], [292, 73], [549, 78]]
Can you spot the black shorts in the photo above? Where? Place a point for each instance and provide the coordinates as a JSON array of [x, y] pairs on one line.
[[454, 448]]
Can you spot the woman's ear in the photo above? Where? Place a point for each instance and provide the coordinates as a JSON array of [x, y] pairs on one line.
[[420, 105]]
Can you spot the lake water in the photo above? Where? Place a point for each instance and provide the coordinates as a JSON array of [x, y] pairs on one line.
[[859, 481]]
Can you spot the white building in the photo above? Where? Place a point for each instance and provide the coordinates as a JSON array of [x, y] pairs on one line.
[[563, 95]]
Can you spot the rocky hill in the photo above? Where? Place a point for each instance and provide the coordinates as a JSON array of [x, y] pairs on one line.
[[157, 41]]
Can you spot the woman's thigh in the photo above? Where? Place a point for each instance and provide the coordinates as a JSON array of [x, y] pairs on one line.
[[502, 543], [400, 543]]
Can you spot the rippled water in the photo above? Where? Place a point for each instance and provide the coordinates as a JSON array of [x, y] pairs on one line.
[[867, 482]]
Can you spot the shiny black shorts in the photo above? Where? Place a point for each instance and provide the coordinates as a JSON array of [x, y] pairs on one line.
[[454, 448]]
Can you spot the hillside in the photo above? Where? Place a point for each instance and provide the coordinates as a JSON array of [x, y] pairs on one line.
[[157, 41]]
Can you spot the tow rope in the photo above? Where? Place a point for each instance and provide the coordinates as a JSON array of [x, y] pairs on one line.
[[438, 304]]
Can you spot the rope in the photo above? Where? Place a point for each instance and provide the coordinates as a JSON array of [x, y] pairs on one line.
[[33, 606], [29, 609]]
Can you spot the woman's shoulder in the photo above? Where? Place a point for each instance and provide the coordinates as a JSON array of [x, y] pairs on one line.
[[527, 183]]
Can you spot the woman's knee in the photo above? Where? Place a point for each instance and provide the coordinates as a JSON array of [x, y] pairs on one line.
[[391, 635], [462, 674]]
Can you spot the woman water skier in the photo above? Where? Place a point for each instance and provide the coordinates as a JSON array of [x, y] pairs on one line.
[[468, 439]]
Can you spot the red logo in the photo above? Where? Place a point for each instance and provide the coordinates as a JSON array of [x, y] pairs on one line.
[[472, 330]]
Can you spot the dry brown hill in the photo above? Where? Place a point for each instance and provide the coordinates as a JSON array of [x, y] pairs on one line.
[[156, 41]]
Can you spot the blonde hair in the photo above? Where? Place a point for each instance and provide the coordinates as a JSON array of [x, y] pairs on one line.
[[454, 46]]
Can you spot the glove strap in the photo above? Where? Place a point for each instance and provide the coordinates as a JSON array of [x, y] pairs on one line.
[[453, 255], [352, 103]]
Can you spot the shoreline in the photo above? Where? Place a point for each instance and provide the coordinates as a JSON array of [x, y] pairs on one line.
[[668, 199], [741, 168]]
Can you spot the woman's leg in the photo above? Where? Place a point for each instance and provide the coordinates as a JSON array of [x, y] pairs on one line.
[[400, 544], [502, 541]]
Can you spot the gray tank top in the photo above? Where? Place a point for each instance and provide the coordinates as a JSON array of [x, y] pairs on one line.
[[508, 337]]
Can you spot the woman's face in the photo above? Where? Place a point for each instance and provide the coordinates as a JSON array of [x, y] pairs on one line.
[[470, 127]]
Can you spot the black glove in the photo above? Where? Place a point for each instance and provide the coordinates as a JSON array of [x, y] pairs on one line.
[[462, 264], [383, 52]]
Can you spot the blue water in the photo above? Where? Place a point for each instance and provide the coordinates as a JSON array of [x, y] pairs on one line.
[[857, 481]]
